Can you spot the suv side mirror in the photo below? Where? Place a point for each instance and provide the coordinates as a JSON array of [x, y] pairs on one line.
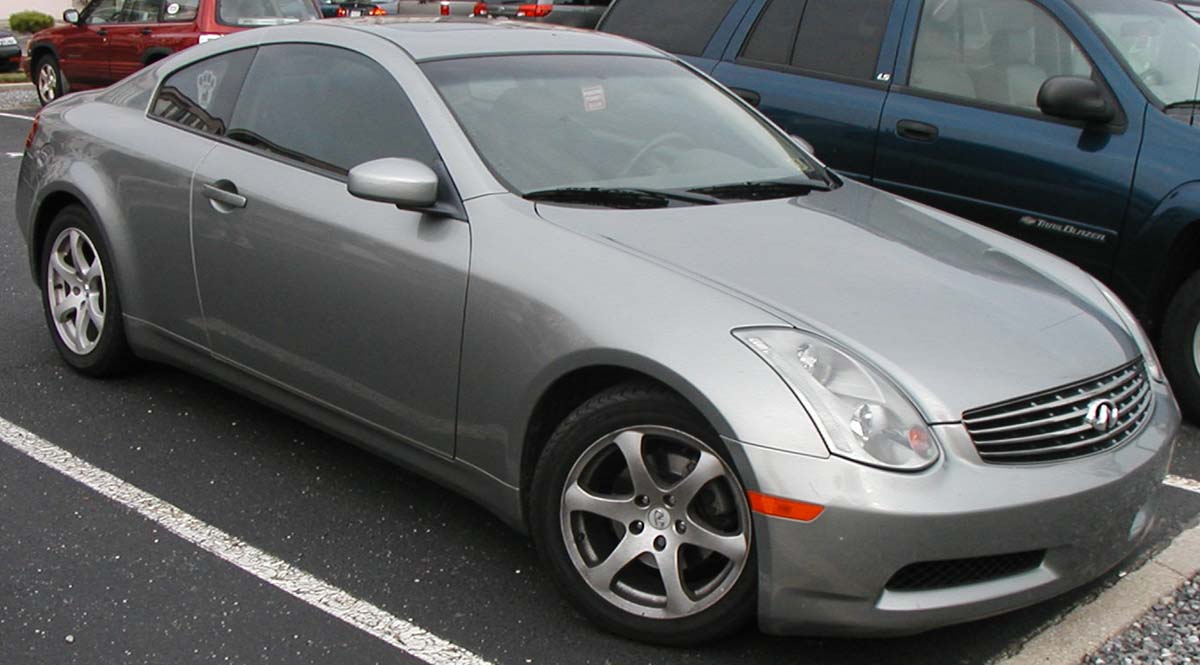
[[804, 145], [404, 182], [1075, 98], [71, 16]]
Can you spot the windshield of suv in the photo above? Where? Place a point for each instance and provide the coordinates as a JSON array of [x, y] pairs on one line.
[[550, 122], [265, 12], [1157, 40]]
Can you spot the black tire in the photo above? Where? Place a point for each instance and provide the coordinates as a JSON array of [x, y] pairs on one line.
[[51, 92], [633, 405], [110, 354], [1178, 348]]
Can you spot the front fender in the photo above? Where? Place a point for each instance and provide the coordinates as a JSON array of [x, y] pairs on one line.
[[1152, 254]]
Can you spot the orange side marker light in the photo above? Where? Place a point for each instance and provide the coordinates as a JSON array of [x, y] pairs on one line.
[[777, 507]]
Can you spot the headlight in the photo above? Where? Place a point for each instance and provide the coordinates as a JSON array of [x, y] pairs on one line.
[[862, 416], [8, 41], [1135, 331]]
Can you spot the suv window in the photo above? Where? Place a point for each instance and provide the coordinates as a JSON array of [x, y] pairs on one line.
[[265, 12], [838, 37], [362, 115], [141, 11], [992, 51], [201, 96], [677, 26], [104, 11], [181, 10]]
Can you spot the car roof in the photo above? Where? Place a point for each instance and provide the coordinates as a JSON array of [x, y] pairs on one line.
[[439, 38]]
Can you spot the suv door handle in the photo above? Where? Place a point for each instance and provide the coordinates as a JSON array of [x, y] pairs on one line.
[[147, 32], [102, 32], [916, 131], [225, 193], [752, 98]]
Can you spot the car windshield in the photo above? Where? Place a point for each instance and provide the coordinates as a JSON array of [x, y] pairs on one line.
[[552, 122], [1157, 41], [265, 12]]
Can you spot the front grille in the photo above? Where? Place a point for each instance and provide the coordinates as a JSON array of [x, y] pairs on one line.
[[928, 575], [1056, 424]]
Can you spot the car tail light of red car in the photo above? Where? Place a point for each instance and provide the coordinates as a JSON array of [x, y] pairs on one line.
[[445, 9], [480, 9], [534, 11]]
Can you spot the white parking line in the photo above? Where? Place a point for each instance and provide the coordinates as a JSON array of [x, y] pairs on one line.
[[16, 115], [403, 635], [1179, 482]]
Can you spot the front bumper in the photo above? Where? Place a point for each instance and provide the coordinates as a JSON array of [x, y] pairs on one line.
[[830, 576]]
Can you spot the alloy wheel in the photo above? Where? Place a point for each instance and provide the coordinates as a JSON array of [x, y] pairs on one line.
[[47, 82], [76, 290], [655, 522]]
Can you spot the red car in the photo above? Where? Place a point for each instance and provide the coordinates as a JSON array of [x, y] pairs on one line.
[[111, 39]]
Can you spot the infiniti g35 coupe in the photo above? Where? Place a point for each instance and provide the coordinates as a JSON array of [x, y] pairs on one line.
[[570, 277]]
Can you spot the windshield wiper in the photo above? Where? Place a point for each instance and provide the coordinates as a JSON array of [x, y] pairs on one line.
[[761, 190], [1181, 104], [617, 197]]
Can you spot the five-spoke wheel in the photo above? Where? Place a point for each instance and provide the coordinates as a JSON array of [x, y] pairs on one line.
[[645, 523], [47, 79]]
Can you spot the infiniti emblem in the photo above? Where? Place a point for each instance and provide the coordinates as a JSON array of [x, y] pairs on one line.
[[1102, 414], [659, 518]]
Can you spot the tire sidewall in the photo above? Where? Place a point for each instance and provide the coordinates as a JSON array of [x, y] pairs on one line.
[[110, 353], [588, 425]]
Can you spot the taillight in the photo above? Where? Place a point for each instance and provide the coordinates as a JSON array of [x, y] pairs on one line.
[[33, 129], [377, 11], [534, 11], [445, 9], [480, 9], [342, 12]]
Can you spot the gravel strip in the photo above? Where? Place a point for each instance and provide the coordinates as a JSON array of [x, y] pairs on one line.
[[17, 98], [1167, 634]]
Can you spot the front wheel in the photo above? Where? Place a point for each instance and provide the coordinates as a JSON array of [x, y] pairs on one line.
[[1181, 346], [643, 522], [47, 79]]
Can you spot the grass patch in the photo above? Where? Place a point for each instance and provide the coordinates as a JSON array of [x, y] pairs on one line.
[[13, 77]]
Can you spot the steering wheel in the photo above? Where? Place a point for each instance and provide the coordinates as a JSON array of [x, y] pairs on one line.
[[653, 145]]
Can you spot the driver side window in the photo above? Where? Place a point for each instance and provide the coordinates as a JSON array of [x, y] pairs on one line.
[[104, 11], [997, 52]]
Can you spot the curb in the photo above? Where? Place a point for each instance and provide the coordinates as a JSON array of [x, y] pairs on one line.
[[13, 86], [1088, 627]]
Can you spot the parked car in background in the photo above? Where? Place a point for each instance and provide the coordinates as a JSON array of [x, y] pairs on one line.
[[1066, 123], [356, 8], [574, 13], [1191, 8], [110, 39], [10, 52], [712, 379]]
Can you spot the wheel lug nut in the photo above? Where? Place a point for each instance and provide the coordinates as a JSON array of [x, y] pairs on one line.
[[680, 526], [636, 527], [660, 543], [642, 500], [669, 500]]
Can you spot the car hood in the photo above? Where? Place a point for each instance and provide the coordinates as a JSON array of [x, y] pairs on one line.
[[958, 315]]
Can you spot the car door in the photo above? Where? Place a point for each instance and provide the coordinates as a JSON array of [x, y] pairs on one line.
[[126, 38], [695, 30], [83, 51], [964, 132], [353, 304], [821, 69]]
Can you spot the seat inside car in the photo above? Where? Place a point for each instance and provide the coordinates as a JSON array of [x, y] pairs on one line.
[[1012, 78]]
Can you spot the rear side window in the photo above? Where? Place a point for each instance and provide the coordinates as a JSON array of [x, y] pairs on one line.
[[678, 26], [249, 13], [180, 10], [201, 96], [326, 107], [836, 37]]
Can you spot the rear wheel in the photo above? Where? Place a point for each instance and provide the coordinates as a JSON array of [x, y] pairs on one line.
[[643, 522], [47, 79], [1181, 346], [80, 298]]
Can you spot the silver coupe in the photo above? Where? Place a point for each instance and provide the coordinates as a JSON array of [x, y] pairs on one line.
[[578, 281]]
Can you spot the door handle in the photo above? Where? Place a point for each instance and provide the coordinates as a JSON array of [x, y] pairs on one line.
[[225, 193], [916, 131], [147, 32], [102, 32], [752, 98]]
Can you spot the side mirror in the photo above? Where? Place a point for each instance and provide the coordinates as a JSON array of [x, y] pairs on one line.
[[404, 182], [71, 16], [1075, 98], [804, 145]]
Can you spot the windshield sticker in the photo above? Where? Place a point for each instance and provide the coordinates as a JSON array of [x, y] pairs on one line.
[[173, 9], [206, 83], [594, 99]]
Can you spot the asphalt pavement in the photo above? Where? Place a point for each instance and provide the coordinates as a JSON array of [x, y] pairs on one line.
[[87, 580]]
